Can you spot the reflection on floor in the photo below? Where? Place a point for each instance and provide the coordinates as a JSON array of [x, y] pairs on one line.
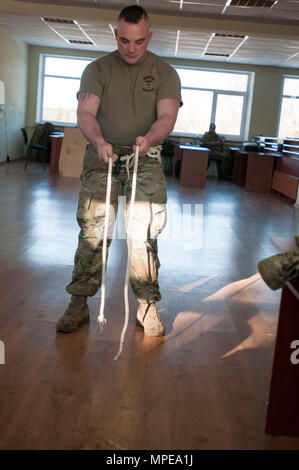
[[203, 386]]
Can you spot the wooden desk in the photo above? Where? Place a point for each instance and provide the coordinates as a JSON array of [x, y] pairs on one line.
[[194, 165], [259, 172], [56, 143], [283, 406], [254, 170], [240, 167], [286, 174]]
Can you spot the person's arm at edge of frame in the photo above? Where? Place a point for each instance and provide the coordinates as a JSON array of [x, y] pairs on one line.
[[167, 111], [88, 105]]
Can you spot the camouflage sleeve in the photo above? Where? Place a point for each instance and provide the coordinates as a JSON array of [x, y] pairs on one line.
[[276, 270]]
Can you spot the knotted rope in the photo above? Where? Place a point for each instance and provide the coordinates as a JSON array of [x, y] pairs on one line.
[[101, 318], [129, 242], [154, 152]]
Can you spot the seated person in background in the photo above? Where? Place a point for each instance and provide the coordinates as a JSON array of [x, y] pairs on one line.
[[219, 152]]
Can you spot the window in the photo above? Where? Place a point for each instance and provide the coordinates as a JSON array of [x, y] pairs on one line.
[[214, 96], [289, 108], [59, 84]]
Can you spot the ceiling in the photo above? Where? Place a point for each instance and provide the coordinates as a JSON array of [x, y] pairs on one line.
[[263, 32]]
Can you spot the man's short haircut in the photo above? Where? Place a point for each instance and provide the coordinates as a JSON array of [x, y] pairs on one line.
[[133, 14]]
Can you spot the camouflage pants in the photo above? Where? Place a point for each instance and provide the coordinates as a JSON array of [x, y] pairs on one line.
[[148, 221]]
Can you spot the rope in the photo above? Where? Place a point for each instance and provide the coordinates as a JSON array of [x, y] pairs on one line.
[[101, 318], [131, 208], [154, 152]]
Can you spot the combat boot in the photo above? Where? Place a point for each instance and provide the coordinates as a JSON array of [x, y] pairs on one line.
[[148, 318], [76, 314]]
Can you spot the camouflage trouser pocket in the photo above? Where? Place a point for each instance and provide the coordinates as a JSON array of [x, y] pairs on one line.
[[91, 212], [86, 278], [158, 222], [84, 202]]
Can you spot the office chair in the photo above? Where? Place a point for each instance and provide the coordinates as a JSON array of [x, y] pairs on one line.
[[25, 137], [32, 146], [166, 155]]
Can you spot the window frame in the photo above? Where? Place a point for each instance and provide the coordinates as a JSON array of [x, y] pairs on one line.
[[282, 96], [41, 83], [246, 112]]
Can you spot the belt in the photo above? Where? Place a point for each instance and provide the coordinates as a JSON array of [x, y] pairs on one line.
[[122, 150], [125, 156], [119, 150]]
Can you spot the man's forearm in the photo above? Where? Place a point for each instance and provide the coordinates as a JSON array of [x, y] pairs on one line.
[[90, 128], [160, 130]]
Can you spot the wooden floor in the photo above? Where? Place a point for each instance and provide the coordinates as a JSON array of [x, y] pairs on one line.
[[203, 386]]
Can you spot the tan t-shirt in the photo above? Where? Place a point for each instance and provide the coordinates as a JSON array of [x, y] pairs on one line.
[[129, 94]]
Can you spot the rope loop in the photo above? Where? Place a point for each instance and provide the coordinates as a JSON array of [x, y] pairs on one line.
[[101, 318], [132, 159], [131, 211]]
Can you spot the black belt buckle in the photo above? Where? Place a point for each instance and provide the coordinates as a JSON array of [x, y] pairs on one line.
[[117, 166], [121, 151]]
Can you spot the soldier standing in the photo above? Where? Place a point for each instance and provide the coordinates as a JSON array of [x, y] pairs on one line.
[[127, 98]]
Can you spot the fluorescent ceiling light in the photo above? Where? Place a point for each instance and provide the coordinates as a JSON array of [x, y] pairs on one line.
[[238, 47], [54, 30], [85, 34], [112, 29], [207, 45], [292, 56], [196, 3], [226, 6], [177, 42]]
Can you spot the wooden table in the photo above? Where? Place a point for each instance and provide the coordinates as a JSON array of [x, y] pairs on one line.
[[254, 170], [286, 175], [259, 172], [56, 143], [194, 165], [283, 406], [240, 167]]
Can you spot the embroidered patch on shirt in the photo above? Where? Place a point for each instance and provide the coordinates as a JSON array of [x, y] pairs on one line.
[[148, 83]]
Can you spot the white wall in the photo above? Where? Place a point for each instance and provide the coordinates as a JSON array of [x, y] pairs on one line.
[[13, 72]]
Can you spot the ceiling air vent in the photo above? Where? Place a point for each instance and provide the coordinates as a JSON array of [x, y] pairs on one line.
[[76, 41], [253, 3], [217, 55], [224, 35], [58, 21]]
